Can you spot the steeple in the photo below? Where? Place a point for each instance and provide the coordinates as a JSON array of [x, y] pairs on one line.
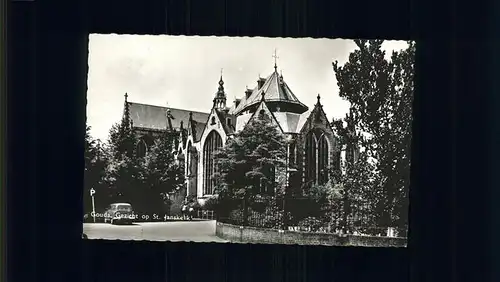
[[126, 120], [220, 96], [275, 56], [318, 112]]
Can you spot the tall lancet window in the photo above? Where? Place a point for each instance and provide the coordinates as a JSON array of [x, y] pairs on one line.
[[316, 160], [212, 144], [141, 148], [323, 156], [310, 158]]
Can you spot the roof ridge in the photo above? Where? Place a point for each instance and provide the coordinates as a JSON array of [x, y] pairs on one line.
[[171, 108]]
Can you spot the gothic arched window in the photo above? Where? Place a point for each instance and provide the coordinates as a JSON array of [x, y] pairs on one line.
[[310, 158], [323, 156], [212, 144], [188, 158], [316, 160], [141, 148]]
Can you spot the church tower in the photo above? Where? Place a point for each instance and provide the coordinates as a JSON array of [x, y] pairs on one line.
[[220, 96], [279, 99]]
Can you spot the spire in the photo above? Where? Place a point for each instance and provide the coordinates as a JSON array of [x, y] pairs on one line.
[[275, 56], [126, 121], [220, 96], [221, 83], [318, 97]]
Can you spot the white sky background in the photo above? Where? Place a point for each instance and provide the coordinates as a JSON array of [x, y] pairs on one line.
[[184, 71]]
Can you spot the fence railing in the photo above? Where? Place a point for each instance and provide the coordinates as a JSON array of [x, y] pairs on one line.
[[304, 214], [206, 214]]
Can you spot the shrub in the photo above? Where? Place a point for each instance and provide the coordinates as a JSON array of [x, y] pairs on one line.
[[271, 218], [236, 217], [260, 203], [311, 224], [211, 203]]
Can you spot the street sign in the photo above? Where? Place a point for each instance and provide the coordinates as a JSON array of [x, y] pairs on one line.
[[92, 192]]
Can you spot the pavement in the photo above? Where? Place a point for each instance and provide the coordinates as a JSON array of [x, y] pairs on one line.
[[175, 231]]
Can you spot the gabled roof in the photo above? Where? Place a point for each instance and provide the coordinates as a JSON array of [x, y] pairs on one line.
[[263, 106], [154, 117], [242, 120], [229, 129], [302, 120], [287, 121], [274, 89], [196, 129], [305, 117]]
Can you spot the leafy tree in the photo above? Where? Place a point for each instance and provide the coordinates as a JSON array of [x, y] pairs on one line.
[[94, 175], [162, 174], [360, 192], [252, 160], [322, 202], [124, 171], [380, 92], [357, 179], [251, 164]]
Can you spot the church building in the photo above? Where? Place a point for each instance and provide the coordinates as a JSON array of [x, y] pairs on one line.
[[312, 148]]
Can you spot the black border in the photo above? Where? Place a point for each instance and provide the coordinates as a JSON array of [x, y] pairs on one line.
[[47, 86]]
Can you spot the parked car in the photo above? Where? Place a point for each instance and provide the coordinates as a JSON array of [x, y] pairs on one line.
[[119, 213]]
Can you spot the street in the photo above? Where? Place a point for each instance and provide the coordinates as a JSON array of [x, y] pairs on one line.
[[194, 231]]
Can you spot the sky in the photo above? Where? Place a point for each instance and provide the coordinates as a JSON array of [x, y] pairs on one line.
[[183, 72]]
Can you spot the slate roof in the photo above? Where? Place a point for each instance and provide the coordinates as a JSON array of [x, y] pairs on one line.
[[289, 122], [154, 117], [242, 120], [197, 129], [223, 119], [274, 89]]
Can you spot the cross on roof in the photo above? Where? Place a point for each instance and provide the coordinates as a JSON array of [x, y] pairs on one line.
[[275, 56]]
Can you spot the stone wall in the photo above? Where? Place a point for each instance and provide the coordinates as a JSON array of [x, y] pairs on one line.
[[272, 236]]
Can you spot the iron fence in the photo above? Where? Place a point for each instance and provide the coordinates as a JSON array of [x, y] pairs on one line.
[[304, 214], [205, 214]]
